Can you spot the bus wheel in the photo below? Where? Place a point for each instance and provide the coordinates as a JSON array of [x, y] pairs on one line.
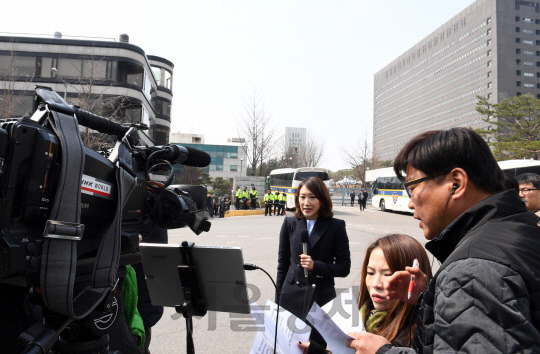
[[382, 205]]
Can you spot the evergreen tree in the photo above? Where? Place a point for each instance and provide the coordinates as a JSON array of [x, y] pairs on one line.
[[515, 122]]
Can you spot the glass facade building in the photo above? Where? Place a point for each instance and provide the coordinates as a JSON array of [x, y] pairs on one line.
[[117, 78]]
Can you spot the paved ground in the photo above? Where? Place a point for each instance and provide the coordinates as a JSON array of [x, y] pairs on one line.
[[258, 236]]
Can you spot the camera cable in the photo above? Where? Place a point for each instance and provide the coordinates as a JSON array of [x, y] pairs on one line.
[[249, 266]]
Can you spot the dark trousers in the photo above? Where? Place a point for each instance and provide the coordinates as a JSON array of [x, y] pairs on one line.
[[364, 202], [361, 204], [276, 209], [237, 203], [267, 208], [253, 203], [245, 206], [352, 201]]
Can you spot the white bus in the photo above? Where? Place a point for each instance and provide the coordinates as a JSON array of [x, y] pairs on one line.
[[290, 178], [389, 192]]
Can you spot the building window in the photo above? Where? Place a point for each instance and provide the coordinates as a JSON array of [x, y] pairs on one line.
[[234, 168], [518, 72], [528, 63], [518, 29], [527, 31], [489, 52], [528, 85], [489, 42], [489, 20], [538, 96], [525, 41], [518, 51], [528, 52], [69, 68], [489, 84], [489, 74], [517, 18], [518, 94], [488, 64], [518, 40], [518, 83], [489, 31], [527, 20], [518, 62], [528, 74], [488, 96]]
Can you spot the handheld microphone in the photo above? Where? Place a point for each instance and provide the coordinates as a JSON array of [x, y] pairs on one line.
[[304, 238]]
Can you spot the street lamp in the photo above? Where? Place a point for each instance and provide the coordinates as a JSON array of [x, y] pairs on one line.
[[241, 162], [55, 70]]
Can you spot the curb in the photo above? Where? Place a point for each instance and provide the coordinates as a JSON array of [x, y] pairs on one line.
[[230, 213]]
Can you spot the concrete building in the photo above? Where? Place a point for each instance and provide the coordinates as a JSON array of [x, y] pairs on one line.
[[114, 77], [294, 137], [491, 49]]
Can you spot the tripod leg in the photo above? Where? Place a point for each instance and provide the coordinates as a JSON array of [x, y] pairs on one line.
[[189, 336]]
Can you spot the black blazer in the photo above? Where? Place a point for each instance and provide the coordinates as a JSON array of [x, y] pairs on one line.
[[328, 247]]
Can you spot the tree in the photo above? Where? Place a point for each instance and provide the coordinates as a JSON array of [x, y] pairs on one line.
[[92, 96], [516, 121], [193, 176], [222, 186], [341, 174], [255, 127], [360, 160], [306, 153]]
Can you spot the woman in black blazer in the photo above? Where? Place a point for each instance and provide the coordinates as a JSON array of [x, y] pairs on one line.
[[328, 250]]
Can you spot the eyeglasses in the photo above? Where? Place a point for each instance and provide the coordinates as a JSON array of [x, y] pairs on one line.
[[526, 191], [420, 180]]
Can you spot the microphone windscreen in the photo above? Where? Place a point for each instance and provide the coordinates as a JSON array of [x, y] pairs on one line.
[[304, 236], [196, 158]]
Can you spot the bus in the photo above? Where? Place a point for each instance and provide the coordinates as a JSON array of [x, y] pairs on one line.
[[290, 178], [388, 191], [390, 194]]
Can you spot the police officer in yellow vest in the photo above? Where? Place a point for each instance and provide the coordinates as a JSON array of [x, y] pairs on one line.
[[253, 195], [268, 201], [282, 202], [276, 202], [245, 198], [237, 198]]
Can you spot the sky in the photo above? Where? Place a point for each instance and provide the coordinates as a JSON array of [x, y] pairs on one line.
[[313, 61]]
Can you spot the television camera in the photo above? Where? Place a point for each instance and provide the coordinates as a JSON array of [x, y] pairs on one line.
[[70, 217]]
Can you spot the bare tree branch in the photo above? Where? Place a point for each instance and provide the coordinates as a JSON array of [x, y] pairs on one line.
[[254, 127]]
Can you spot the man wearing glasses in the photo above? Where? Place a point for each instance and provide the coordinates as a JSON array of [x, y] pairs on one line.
[[485, 297], [529, 191]]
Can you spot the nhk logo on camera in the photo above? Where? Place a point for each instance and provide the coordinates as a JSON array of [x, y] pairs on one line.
[[96, 187]]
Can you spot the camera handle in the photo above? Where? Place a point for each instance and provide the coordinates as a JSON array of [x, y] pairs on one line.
[[194, 303]]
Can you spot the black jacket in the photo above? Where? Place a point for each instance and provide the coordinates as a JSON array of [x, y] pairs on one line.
[[328, 247], [485, 298]]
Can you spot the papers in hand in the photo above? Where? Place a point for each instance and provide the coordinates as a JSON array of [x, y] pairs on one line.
[[291, 330], [335, 319]]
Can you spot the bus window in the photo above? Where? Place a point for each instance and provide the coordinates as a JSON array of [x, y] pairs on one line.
[[300, 176]]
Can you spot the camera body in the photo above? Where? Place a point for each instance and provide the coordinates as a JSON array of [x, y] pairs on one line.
[[30, 168]]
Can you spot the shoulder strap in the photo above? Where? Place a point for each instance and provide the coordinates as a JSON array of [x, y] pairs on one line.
[[63, 230]]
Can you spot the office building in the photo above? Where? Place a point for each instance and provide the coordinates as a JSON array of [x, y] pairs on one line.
[[294, 138], [491, 49], [186, 138], [113, 78], [227, 161]]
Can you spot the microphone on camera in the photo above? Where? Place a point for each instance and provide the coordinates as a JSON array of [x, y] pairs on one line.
[[304, 238], [188, 156]]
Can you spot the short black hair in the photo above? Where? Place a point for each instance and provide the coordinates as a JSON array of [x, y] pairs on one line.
[[438, 151], [529, 177], [510, 182]]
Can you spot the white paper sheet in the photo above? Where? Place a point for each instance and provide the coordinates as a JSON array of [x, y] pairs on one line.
[[335, 319], [291, 330]]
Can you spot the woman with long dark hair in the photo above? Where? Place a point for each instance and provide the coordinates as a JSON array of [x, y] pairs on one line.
[[393, 319], [328, 254]]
